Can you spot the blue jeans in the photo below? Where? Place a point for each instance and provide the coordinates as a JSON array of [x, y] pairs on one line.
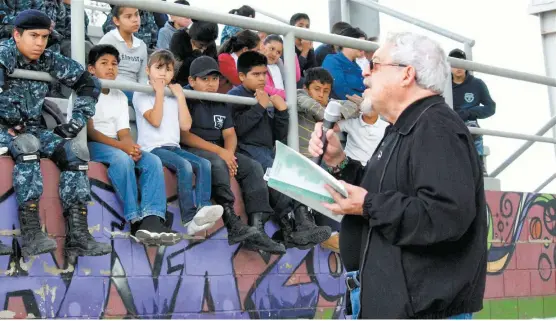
[[463, 316], [184, 164], [121, 171], [354, 295], [477, 139]]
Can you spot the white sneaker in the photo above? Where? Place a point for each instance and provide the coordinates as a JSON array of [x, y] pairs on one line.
[[193, 228], [208, 214], [204, 219]]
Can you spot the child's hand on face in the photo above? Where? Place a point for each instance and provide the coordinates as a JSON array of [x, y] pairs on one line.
[[177, 90], [158, 85]]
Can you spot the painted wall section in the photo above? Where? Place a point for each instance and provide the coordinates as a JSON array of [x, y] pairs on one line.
[[207, 278]]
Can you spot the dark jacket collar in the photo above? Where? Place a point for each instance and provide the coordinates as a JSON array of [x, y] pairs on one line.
[[413, 112]]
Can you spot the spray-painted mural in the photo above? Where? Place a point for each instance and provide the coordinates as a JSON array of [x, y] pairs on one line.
[[199, 278], [207, 278]]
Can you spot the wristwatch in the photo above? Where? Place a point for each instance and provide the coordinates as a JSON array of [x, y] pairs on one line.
[[338, 168]]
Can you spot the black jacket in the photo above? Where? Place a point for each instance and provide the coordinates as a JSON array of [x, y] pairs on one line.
[[254, 125], [424, 247], [180, 46]]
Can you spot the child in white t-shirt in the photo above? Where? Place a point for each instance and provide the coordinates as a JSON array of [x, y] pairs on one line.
[[364, 133], [110, 143], [160, 121]]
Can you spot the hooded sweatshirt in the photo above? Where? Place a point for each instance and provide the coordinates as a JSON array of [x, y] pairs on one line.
[[472, 100], [165, 35]]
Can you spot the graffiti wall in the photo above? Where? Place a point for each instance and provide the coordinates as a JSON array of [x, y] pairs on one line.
[[197, 278], [204, 277]]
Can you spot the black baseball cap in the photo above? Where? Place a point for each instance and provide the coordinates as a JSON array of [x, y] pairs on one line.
[[204, 66], [458, 53]]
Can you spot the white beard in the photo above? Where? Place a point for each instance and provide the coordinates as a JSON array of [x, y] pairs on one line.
[[366, 106]]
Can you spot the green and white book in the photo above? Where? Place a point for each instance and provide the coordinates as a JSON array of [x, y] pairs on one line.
[[298, 177]]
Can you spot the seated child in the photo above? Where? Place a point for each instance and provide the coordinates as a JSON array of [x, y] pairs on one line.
[[273, 49], [364, 133], [258, 127], [133, 50], [312, 101], [160, 119], [110, 143], [212, 136]]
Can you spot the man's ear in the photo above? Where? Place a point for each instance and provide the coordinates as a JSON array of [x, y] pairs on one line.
[[91, 69], [242, 76], [191, 81]]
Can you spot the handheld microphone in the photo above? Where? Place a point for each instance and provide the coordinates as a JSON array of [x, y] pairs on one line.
[[332, 115]]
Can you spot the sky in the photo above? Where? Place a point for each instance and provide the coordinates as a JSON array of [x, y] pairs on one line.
[[511, 39]]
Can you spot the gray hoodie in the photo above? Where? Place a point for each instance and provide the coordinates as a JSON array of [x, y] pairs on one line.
[[133, 61], [165, 35], [310, 112]]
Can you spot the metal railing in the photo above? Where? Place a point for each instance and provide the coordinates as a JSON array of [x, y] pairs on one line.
[[467, 42], [290, 32]]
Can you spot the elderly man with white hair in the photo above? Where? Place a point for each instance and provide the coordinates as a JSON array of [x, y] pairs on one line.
[[414, 234]]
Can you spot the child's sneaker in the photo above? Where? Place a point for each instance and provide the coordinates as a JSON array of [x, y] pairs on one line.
[[204, 219], [151, 231]]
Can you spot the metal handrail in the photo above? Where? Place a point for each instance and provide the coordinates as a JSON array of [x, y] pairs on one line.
[[546, 127], [97, 8], [545, 183], [131, 86], [270, 15], [414, 21]]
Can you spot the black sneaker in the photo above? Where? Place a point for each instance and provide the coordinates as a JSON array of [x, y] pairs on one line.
[[152, 231]]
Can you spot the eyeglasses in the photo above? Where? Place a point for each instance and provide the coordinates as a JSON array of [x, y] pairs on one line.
[[372, 64]]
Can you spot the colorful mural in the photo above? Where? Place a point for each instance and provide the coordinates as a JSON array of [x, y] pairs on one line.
[[206, 278], [198, 278]]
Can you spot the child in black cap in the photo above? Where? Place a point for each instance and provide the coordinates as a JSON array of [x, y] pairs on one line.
[[212, 136]]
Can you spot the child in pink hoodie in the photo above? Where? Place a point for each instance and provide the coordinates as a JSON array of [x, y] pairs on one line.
[[273, 49]]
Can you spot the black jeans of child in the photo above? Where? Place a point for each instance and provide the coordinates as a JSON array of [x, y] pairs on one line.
[[249, 176], [281, 203]]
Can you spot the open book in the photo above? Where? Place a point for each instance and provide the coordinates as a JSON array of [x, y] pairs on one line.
[[301, 179]]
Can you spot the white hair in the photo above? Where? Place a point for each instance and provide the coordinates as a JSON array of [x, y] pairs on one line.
[[432, 70]]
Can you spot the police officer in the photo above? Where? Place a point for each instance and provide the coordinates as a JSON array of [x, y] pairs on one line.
[[21, 102]]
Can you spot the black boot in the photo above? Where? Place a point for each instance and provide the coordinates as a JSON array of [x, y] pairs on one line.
[[237, 230], [5, 250], [35, 241], [261, 241], [79, 242], [284, 234], [308, 234]]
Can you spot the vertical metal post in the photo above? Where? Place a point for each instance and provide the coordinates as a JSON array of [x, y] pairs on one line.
[[548, 32], [468, 49], [448, 93], [78, 52], [78, 31], [345, 10], [291, 89]]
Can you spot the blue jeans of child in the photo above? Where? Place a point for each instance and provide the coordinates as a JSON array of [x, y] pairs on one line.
[[184, 164], [122, 174], [354, 295]]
